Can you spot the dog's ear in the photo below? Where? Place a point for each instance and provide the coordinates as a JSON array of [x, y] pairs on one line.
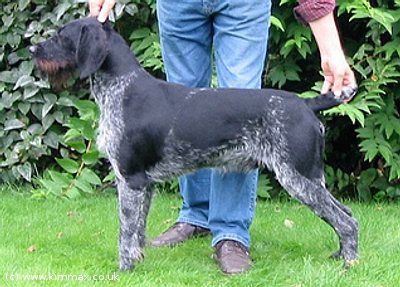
[[91, 50]]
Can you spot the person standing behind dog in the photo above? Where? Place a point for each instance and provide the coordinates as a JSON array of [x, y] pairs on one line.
[[237, 31]]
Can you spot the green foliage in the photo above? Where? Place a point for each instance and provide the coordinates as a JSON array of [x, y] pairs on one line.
[[146, 45], [40, 128], [30, 118], [80, 156], [370, 34]]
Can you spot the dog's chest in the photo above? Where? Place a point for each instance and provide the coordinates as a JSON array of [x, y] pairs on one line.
[[109, 94]]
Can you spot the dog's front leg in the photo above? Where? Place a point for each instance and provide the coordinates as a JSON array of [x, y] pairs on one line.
[[134, 203]]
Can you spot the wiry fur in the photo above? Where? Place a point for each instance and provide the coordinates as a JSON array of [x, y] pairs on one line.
[[152, 130]]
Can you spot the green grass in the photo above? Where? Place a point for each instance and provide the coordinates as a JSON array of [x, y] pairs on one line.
[[80, 237]]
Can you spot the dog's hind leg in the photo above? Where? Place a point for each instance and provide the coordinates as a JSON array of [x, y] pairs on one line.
[[134, 203], [334, 200], [321, 202]]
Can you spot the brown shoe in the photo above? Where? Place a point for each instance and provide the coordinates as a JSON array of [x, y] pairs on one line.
[[178, 233], [232, 257]]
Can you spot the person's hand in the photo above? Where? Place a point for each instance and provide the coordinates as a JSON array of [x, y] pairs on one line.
[[337, 74], [336, 70], [101, 9]]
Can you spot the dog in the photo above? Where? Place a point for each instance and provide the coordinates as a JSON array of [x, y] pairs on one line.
[[152, 131]]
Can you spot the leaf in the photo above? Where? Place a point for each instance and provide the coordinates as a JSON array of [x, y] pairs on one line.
[[110, 176], [65, 101], [91, 157], [8, 77], [26, 171], [68, 164], [22, 4], [61, 9], [85, 127], [36, 110], [370, 148], [63, 179], [83, 185], [13, 124], [277, 23], [47, 121], [24, 107], [46, 108], [73, 193], [71, 135], [140, 34], [35, 129], [386, 152], [89, 175], [88, 110], [78, 145], [50, 98], [51, 186], [131, 9], [23, 81], [26, 68], [51, 139], [119, 9]]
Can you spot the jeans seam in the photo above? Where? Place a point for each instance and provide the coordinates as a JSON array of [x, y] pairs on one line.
[[230, 236], [193, 222]]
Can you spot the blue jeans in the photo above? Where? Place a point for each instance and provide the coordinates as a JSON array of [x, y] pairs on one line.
[[237, 31]]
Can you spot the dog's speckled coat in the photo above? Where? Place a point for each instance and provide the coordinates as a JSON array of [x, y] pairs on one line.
[[152, 130]]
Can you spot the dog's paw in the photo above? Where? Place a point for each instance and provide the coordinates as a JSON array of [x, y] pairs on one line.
[[126, 267], [126, 264], [128, 260]]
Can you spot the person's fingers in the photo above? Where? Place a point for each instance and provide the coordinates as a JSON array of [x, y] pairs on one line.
[[105, 10], [328, 79], [338, 82], [326, 86], [94, 7], [351, 79], [337, 75]]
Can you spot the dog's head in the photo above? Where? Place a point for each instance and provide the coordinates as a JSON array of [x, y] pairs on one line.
[[79, 45]]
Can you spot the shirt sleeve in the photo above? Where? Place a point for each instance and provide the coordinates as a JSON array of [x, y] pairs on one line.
[[310, 10]]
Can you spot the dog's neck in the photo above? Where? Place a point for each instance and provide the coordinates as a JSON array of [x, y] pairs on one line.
[[120, 60], [103, 85]]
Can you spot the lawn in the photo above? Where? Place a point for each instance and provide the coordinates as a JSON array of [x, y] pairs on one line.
[[78, 238]]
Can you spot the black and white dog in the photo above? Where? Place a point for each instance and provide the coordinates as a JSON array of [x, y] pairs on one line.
[[152, 131]]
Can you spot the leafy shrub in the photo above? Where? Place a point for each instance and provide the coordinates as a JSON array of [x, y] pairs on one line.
[[39, 128], [31, 120], [370, 32]]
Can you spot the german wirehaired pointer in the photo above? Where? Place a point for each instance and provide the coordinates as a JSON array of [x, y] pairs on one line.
[[152, 131]]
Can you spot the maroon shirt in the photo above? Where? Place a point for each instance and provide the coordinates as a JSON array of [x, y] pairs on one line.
[[310, 10]]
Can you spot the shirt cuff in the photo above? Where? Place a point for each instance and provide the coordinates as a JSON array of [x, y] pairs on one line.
[[310, 10]]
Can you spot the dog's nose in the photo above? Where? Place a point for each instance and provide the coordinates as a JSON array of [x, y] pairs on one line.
[[32, 49]]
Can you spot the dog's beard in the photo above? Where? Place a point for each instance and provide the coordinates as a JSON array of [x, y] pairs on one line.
[[57, 72]]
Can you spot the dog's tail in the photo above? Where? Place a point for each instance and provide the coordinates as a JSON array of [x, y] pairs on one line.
[[329, 100]]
